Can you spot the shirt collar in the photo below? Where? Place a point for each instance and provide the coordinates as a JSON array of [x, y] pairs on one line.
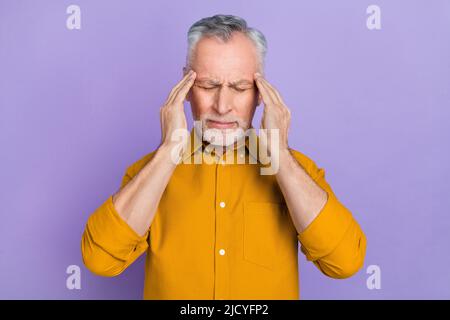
[[197, 143]]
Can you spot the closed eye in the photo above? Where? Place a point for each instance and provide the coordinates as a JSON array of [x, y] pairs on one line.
[[206, 88], [215, 87]]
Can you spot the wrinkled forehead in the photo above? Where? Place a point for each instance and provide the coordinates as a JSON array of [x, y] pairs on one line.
[[234, 60]]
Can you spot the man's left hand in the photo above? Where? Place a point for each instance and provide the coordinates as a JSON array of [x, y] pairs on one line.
[[275, 115]]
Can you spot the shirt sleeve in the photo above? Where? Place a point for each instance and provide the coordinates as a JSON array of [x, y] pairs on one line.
[[333, 241], [109, 245]]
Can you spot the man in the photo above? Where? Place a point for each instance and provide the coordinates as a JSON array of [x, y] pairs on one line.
[[219, 229]]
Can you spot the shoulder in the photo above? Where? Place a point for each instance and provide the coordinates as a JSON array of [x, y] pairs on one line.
[[306, 162], [301, 157], [138, 164]]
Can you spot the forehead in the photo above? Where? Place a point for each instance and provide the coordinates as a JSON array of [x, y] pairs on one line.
[[225, 61]]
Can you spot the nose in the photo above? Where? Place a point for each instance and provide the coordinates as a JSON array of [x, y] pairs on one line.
[[223, 101]]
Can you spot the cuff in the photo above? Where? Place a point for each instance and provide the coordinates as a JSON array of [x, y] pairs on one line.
[[113, 234], [327, 229]]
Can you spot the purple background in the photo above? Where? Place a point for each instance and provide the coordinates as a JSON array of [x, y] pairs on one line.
[[370, 106]]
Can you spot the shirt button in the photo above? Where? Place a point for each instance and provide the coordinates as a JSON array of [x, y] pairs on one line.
[[222, 204], [222, 252]]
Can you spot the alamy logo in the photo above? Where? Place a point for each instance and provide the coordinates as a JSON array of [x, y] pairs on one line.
[[374, 280], [74, 20], [373, 21], [73, 281], [269, 157]]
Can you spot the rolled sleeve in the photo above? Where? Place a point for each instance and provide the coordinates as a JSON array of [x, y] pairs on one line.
[[326, 231], [110, 232], [333, 241], [109, 245]]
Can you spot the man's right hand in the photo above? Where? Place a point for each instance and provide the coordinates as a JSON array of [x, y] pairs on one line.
[[172, 112], [138, 199]]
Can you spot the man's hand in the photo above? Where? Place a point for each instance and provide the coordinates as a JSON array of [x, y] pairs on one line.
[[304, 197], [137, 200], [275, 115], [172, 112]]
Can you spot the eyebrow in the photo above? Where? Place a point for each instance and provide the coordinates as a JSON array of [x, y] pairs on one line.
[[208, 81], [216, 82], [242, 81]]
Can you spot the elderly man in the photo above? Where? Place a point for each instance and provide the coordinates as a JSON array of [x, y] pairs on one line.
[[221, 229]]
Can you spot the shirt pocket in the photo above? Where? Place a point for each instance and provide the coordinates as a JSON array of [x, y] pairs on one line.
[[263, 229]]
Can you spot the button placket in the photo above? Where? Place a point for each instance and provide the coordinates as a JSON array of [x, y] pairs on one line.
[[221, 216]]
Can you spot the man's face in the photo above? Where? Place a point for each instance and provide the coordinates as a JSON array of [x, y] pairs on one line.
[[224, 95]]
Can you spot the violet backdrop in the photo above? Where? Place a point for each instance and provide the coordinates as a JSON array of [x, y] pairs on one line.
[[369, 106]]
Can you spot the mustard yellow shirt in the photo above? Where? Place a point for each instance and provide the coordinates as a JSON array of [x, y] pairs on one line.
[[223, 231]]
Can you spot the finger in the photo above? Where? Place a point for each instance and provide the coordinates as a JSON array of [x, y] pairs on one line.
[[271, 90], [182, 81], [279, 99], [183, 91], [177, 86], [273, 97], [180, 95], [274, 90], [267, 98]]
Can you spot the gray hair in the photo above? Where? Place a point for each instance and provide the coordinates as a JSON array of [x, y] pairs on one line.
[[222, 26]]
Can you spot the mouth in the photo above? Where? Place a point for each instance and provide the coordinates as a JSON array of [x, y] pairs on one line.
[[220, 124]]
